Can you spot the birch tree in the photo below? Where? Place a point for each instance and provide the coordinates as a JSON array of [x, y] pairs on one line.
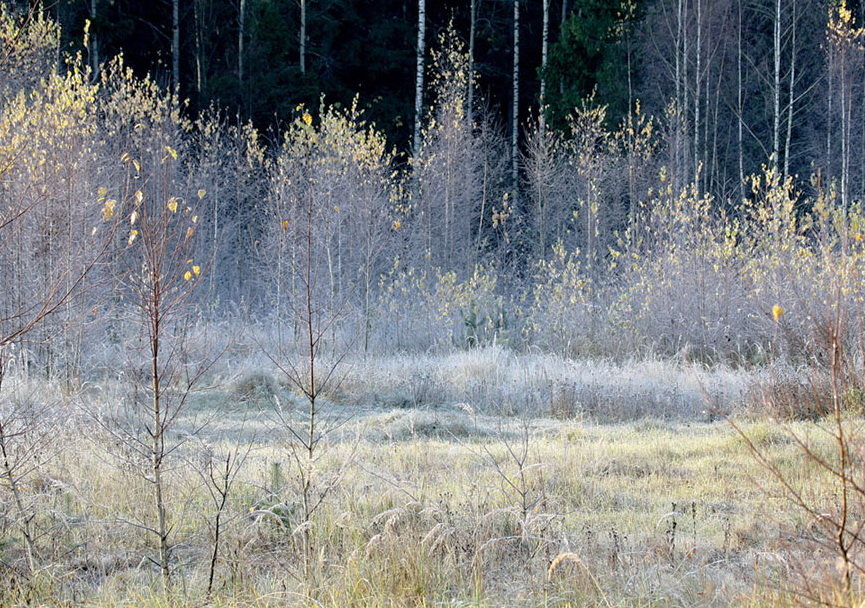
[[175, 44], [515, 103], [302, 36], [419, 74]]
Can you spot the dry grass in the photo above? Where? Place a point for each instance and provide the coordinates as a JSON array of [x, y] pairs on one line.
[[447, 503]]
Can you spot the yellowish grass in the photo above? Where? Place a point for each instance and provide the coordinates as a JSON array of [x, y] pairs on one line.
[[440, 507]]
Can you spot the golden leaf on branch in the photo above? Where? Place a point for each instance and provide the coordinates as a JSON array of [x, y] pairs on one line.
[[108, 209], [777, 312]]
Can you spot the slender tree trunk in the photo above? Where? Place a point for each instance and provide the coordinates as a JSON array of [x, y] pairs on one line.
[[473, 9], [158, 438], [740, 107], [303, 36], [175, 43], [241, 34], [515, 124], [776, 89], [679, 58], [544, 54], [199, 47], [844, 101], [791, 90], [561, 29], [697, 89], [94, 39], [419, 74]]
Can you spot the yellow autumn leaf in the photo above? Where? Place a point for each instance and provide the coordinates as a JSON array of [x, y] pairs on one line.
[[201, 193], [189, 232], [196, 270], [136, 164], [777, 312], [307, 118], [133, 218], [133, 234], [108, 209], [284, 224], [172, 205], [396, 225], [139, 196], [171, 152], [101, 192], [194, 218], [187, 275]]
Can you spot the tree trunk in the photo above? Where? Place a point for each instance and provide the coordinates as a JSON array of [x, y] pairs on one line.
[[697, 88], [418, 91], [303, 36], [791, 91], [473, 8], [544, 54], [94, 40], [199, 47], [175, 44], [515, 124], [739, 107], [776, 90], [241, 32]]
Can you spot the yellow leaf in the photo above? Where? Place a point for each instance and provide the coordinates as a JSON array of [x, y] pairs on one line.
[[194, 218], [132, 236], [396, 225], [139, 196], [133, 218], [777, 312], [284, 224], [102, 192], [201, 193], [108, 209], [189, 232], [196, 270], [171, 152], [172, 205], [307, 118], [187, 275], [136, 164]]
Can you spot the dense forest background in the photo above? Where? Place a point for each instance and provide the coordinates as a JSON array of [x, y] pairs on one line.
[[767, 62], [697, 167]]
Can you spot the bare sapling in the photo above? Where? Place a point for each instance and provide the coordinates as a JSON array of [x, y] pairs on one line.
[[157, 279], [218, 469], [311, 346]]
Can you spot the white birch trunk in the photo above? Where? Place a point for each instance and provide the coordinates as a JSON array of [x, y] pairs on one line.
[[175, 43], [791, 91], [241, 32], [515, 124], [739, 108], [776, 89], [697, 88], [303, 36], [473, 8], [94, 40], [418, 91]]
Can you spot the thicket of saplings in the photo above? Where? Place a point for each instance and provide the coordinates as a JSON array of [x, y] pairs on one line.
[[144, 255]]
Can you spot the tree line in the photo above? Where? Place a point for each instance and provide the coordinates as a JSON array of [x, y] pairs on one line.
[[596, 231]]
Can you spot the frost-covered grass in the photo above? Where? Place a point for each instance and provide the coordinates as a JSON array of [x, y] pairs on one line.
[[453, 480]]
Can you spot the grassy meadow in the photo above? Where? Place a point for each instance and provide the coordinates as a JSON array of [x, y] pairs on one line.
[[478, 479]]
